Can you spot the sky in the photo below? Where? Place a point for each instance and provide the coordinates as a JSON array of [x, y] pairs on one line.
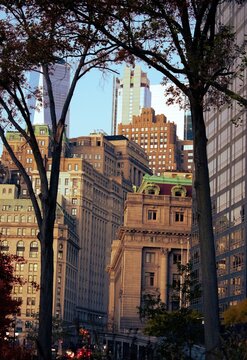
[[91, 106]]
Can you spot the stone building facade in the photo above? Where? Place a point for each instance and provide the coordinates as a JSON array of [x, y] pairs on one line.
[[18, 236], [158, 138], [92, 196], [153, 239]]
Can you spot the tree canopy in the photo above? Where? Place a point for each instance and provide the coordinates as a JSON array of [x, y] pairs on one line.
[[195, 49], [236, 314], [34, 36]]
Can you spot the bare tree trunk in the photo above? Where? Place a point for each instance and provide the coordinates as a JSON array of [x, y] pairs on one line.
[[49, 203], [206, 236], [46, 292]]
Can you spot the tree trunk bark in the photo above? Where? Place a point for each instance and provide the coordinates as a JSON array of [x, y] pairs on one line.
[[46, 294], [206, 236], [49, 204]]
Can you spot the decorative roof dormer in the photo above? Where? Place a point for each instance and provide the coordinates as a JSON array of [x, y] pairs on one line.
[[178, 190], [151, 189]]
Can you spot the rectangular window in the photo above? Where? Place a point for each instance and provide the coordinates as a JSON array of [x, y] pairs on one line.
[[152, 215], [179, 216], [30, 301], [176, 258], [176, 281], [33, 267], [73, 211], [149, 278], [150, 257], [237, 262]]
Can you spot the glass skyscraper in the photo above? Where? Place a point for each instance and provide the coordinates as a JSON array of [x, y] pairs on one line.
[[227, 160], [130, 95], [60, 79]]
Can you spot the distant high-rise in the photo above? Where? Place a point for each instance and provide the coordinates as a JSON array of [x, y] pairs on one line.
[[172, 112], [188, 134], [60, 79], [130, 95], [158, 138]]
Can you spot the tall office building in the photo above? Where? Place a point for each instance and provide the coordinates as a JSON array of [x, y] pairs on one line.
[[158, 138], [95, 178], [130, 95], [60, 79], [172, 112], [227, 170], [188, 132], [18, 236]]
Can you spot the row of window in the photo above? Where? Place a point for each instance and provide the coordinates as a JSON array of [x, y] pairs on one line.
[[146, 129], [150, 258], [18, 289], [18, 218], [20, 248], [178, 216], [32, 267], [19, 231], [16, 207]]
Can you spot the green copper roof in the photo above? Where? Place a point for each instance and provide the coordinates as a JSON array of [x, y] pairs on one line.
[[173, 178]]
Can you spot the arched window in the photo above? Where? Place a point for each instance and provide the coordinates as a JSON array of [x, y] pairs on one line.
[[33, 253], [20, 248], [4, 246], [178, 190], [152, 189]]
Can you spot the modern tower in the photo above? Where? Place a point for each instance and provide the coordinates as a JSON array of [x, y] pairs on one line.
[[60, 79], [188, 134], [130, 95], [172, 112], [227, 171]]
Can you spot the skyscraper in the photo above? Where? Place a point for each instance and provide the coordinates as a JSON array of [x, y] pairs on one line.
[[158, 138], [172, 112], [188, 134], [60, 79], [130, 95], [227, 171]]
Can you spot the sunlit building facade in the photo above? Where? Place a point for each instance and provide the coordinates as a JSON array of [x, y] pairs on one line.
[[131, 93], [158, 138], [227, 136], [92, 189], [18, 236], [153, 239]]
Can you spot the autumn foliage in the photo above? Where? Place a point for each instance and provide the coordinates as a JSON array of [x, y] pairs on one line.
[[8, 306], [236, 314]]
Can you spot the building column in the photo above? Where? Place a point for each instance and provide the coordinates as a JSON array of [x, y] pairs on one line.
[[164, 275]]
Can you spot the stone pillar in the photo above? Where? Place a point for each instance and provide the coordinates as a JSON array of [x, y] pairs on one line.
[[164, 275]]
